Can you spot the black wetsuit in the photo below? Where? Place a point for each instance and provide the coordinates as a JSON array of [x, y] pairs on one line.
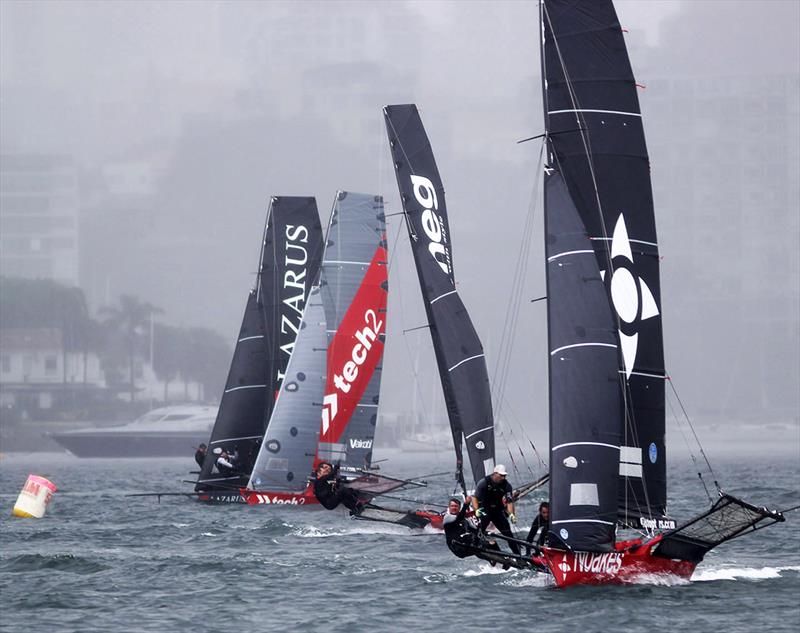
[[200, 457], [330, 492], [458, 533], [538, 522], [462, 538], [490, 497]]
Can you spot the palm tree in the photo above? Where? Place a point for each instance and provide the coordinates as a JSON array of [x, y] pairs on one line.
[[130, 320]]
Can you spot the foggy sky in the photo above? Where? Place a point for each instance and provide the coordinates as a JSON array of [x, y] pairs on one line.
[[226, 104]]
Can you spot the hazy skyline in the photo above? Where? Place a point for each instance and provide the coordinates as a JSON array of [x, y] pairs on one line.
[[219, 106]]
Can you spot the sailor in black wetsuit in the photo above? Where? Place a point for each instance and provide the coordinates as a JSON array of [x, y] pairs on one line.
[[493, 501], [541, 524], [461, 535], [330, 492], [200, 454]]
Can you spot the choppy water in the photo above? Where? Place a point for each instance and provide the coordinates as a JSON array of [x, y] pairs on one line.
[[100, 561]]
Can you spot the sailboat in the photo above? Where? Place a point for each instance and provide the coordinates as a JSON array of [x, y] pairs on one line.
[[289, 261], [606, 359], [327, 406], [459, 352]]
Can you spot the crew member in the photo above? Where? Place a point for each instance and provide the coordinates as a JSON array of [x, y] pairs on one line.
[[539, 527], [330, 491], [462, 536], [200, 454], [493, 502], [225, 463]]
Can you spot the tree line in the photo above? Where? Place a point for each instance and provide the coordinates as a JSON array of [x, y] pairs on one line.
[[121, 334]]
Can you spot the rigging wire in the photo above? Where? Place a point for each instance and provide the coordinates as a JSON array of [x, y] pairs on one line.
[[691, 452], [694, 433], [503, 364]]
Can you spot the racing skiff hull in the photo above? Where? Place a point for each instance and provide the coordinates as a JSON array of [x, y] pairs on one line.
[[265, 497], [623, 566]]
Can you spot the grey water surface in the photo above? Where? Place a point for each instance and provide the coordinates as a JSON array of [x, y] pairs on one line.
[[102, 561]]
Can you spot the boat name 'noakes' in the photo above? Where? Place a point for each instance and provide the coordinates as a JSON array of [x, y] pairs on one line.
[[432, 223], [294, 280], [608, 563]]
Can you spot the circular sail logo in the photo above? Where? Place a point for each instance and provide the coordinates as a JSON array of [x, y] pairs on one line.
[[653, 453]]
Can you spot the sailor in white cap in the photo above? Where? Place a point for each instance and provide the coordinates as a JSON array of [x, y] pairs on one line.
[[493, 503]]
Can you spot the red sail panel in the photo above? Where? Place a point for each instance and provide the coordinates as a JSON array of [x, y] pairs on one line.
[[356, 350]]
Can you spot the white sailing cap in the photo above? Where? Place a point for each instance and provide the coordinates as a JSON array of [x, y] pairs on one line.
[[500, 470]]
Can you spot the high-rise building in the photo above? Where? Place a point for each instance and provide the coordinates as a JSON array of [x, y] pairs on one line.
[[39, 217]]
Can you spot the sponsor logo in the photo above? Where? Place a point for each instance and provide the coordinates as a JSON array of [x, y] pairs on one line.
[[564, 533], [330, 407], [292, 501], [226, 498], [354, 443], [657, 524], [608, 563], [632, 298], [365, 337], [480, 445], [294, 289], [432, 223], [653, 453]]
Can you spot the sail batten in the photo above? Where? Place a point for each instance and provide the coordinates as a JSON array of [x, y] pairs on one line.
[[458, 350]]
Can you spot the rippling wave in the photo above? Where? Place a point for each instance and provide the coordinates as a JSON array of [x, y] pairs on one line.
[[101, 561]]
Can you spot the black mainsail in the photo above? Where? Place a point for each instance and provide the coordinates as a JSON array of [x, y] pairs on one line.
[[459, 353], [289, 261], [596, 142]]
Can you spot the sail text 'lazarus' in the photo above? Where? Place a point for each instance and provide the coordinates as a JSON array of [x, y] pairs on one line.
[[296, 236]]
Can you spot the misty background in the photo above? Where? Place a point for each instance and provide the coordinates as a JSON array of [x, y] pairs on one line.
[[161, 129]]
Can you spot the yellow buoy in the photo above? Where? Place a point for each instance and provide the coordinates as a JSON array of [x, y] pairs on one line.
[[34, 497]]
